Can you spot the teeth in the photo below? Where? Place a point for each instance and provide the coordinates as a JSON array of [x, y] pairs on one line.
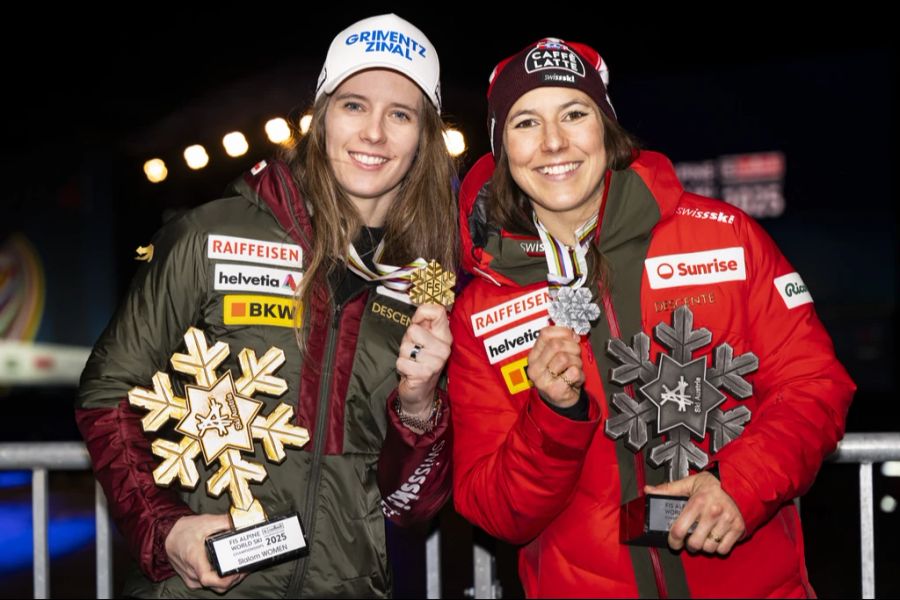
[[368, 159], [558, 169]]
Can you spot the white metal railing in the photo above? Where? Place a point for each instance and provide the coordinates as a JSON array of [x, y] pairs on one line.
[[42, 457], [865, 449]]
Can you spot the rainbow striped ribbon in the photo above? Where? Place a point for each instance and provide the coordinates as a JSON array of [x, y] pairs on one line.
[[566, 264], [392, 277]]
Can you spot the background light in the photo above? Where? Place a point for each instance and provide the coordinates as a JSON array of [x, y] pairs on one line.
[[155, 170], [305, 122], [456, 143], [235, 144], [278, 131], [891, 468], [196, 157]]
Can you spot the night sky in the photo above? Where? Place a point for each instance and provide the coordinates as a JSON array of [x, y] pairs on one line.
[[78, 79]]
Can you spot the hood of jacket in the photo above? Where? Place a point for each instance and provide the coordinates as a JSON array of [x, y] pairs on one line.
[[270, 185]]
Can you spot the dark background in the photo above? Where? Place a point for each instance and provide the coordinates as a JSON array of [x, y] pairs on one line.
[[89, 96]]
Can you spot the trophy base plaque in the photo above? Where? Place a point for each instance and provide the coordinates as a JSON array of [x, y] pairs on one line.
[[645, 521], [256, 546]]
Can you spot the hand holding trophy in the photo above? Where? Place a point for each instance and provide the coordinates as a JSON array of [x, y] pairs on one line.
[[679, 397], [219, 418]]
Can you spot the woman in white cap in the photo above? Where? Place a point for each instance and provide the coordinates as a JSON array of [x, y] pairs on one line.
[[314, 256], [623, 337]]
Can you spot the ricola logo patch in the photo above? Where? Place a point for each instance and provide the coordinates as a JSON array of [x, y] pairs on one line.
[[696, 268], [792, 289], [552, 54]]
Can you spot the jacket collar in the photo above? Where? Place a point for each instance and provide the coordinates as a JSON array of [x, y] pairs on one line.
[[636, 199]]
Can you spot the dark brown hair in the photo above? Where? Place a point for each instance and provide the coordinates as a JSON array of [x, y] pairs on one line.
[[510, 208]]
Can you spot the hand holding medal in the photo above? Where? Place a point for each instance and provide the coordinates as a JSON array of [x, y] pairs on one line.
[[425, 346], [554, 364], [555, 367]]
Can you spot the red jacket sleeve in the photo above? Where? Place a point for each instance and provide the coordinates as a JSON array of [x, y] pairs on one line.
[[123, 464], [162, 302], [803, 392], [515, 461], [414, 470]]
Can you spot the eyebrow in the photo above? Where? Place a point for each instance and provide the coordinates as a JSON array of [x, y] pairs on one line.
[[352, 96], [529, 111]]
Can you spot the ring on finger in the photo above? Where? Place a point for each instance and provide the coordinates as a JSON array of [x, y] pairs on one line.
[[415, 351], [568, 383], [716, 538]]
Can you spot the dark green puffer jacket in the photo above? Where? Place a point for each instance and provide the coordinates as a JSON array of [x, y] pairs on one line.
[[228, 268]]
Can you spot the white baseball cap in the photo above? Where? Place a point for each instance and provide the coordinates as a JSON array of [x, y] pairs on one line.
[[385, 42]]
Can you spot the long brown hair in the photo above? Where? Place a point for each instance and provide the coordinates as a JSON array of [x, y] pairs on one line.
[[422, 220], [510, 208]]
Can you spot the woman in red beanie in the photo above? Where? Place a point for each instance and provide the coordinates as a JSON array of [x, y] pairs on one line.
[[625, 337]]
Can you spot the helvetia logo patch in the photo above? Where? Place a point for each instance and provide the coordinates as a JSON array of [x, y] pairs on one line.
[[514, 341], [246, 278]]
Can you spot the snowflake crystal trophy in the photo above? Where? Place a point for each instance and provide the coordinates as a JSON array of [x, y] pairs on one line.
[[219, 418], [679, 398]]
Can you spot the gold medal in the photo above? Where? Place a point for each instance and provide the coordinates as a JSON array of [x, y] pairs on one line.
[[432, 284]]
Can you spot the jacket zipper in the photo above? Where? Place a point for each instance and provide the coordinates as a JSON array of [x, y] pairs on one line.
[[321, 433], [639, 474]]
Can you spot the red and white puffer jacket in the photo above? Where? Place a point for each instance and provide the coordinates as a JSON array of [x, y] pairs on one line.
[[530, 476]]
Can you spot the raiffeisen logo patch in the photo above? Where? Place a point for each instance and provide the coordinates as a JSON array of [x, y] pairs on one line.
[[554, 55], [510, 311], [246, 278], [242, 309], [696, 268], [792, 289], [227, 247]]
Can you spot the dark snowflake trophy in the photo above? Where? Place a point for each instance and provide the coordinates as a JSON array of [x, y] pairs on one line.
[[219, 418], [680, 397]]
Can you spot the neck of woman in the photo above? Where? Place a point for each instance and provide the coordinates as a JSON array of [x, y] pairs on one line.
[[563, 225]]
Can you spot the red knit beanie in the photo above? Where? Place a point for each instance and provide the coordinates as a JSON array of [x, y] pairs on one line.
[[550, 62]]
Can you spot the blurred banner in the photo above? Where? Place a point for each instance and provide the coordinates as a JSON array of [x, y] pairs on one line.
[[752, 182]]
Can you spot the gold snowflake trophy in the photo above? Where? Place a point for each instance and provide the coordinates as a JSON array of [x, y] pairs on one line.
[[432, 284], [219, 417]]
